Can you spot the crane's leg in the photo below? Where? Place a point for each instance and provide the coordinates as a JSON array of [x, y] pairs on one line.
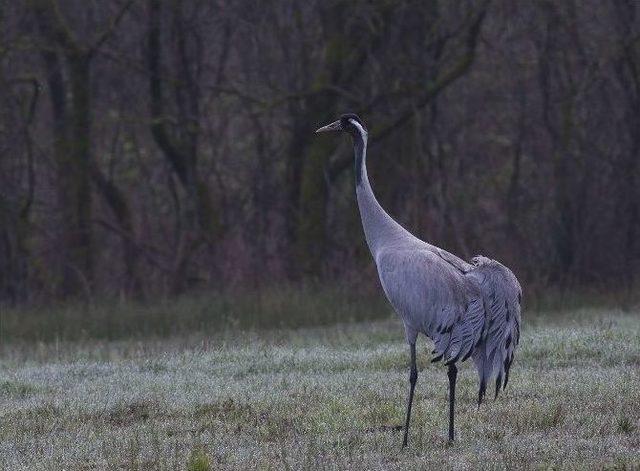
[[413, 377], [452, 373]]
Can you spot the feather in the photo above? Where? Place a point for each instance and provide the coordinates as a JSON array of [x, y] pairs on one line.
[[502, 294], [498, 385], [481, 391]]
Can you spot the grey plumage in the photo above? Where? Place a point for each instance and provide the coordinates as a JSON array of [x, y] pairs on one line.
[[467, 309]]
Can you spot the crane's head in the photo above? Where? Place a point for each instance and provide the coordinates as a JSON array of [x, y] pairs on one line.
[[349, 123]]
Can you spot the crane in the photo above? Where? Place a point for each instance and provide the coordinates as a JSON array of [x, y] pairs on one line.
[[468, 309]]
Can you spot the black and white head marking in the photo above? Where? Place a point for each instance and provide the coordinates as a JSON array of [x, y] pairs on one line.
[[352, 124]]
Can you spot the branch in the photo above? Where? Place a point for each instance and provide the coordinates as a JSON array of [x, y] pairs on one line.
[[441, 83], [111, 27], [158, 124], [29, 115], [60, 31], [143, 248], [433, 89]]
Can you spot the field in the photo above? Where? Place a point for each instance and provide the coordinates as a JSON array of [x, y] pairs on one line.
[[322, 397]]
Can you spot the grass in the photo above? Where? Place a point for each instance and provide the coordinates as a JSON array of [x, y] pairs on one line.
[[287, 306], [318, 397]]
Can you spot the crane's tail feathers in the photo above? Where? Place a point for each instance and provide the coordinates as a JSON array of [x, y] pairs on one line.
[[488, 329], [507, 365], [459, 333], [481, 392], [498, 385], [501, 295]]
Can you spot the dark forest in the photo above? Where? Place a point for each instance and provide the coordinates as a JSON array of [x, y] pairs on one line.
[[154, 148]]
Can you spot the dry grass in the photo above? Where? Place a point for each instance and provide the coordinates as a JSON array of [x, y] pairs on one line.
[[285, 306], [320, 398]]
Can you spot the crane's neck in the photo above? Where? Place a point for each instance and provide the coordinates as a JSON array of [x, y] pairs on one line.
[[380, 229]]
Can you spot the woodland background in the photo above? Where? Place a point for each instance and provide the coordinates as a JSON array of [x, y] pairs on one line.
[[153, 148]]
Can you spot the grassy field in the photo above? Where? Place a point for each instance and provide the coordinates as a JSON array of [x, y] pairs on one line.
[[325, 397]]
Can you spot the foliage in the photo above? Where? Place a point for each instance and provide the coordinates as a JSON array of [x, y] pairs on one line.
[[286, 306], [152, 148], [198, 461]]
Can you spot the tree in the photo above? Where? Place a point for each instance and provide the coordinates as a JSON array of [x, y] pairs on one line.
[[68, 76]]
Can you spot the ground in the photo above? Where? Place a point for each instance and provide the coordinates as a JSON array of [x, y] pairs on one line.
[[327, 397]]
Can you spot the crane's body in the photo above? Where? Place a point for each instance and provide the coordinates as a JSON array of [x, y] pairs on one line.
[[467, 309]]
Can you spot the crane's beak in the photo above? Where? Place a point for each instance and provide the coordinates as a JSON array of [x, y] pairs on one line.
[[335, 126]]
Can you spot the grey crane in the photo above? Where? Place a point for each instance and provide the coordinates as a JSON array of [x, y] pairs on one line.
[[466, 309]]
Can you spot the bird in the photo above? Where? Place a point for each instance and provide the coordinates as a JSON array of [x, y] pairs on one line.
[[468, 309]]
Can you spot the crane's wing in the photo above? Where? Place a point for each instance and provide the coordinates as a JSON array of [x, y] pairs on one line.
[[452, 260], [466, 311], [502, 296], [489, 327], [423, 288], [458, 335]]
